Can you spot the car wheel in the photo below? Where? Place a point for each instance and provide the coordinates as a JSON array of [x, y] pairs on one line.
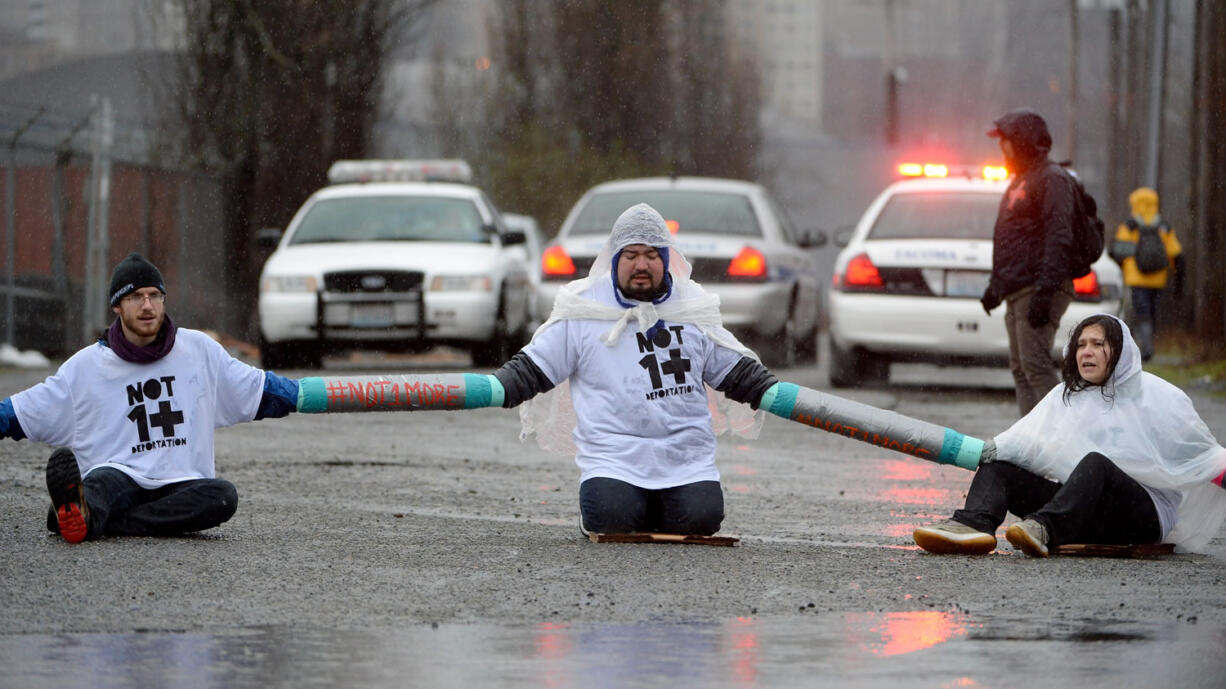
[[285, 355], [842, 367], [876, 369], [520, 339], [806, 348], [497, 350], [856, 368], [780, 350], [273, 355], [311, 355]]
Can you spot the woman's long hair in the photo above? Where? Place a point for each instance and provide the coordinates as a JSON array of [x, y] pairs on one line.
[[1073, 382]]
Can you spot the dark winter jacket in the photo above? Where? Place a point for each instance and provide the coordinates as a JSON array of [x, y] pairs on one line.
[[1033, 240]]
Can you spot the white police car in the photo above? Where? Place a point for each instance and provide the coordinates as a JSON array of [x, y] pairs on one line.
[[394, 255], [906, 287], [741, 244], [534, 242]]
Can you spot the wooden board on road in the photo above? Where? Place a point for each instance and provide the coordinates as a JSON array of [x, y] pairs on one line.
[[640, 537], [1139, 550]]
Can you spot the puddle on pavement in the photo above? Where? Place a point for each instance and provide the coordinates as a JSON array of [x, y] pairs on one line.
[[860, 649]]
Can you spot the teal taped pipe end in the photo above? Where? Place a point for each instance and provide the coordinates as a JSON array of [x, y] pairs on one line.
[[960, 450], [768, 397], [968, 456], [482, 391], [498, 394], [780, 399], [312, 396]]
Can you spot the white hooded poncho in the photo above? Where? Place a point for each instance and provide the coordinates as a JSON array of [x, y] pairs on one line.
[[551, 416], [1145, 426]]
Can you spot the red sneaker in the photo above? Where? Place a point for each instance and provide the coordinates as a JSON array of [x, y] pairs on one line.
[[67, 495]]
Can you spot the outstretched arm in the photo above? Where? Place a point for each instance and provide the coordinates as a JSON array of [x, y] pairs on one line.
[[522, 380], [9, 426], [280, 397], [747, 382]]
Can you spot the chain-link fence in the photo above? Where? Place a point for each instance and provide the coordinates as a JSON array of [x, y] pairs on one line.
[[76, 199]]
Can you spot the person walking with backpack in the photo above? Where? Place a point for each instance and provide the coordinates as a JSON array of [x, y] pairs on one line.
[[1147, 250], [1033, 252]]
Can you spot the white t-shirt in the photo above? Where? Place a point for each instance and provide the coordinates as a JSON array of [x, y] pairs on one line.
[[154, 421], [640, 405]]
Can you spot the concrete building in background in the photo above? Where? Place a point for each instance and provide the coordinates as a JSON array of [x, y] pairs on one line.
[[787, 38], [36, 34], [436, 75]]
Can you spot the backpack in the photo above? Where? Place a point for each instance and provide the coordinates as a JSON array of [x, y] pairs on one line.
[[1151, 252], [1089, 232]]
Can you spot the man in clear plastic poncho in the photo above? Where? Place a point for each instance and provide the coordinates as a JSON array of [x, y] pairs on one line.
[[624, 361]]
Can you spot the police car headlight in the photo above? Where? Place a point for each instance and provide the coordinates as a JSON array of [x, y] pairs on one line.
[[461, 283], [289, 283]]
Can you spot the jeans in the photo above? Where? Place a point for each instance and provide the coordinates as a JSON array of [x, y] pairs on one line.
[[1145, 306], [118, 506], [1098, 504], [1030, 360], [612, 506]]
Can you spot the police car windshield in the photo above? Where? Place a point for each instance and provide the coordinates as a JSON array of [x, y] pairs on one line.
[[937, 215], [391, 219], [692, 211]]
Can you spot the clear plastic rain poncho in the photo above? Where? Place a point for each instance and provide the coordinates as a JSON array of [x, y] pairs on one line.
[[1145, 426], [551, 416]]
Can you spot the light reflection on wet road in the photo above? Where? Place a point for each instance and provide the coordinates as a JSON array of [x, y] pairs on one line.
[[859, 649]]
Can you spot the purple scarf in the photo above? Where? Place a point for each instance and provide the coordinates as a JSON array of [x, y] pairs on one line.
[[138, 354]]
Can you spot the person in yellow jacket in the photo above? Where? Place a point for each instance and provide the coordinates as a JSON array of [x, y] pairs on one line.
[[1148, 252]]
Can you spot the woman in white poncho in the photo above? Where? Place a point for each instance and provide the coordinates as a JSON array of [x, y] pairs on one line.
[[1113, 455]]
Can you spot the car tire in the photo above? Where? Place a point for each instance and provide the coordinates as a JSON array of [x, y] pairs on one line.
[[283, 355], [876, 369], [311, 355], [273, 355], [780, 350], [520, 339], [497, 350], [806, 348], [856, 368]]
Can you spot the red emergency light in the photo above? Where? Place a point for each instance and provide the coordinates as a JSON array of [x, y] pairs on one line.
[[992, 173]]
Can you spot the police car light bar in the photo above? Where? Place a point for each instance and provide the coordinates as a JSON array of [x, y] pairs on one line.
[[995, 172], [348, 171], [938, 170], [925, 170]]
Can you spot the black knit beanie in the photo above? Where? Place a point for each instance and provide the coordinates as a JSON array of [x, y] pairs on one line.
[[133, 273]]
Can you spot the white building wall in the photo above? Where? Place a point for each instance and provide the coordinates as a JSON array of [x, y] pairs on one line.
[[42, 33], [787, 36]]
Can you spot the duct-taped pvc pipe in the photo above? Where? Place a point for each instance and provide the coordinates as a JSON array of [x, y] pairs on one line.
[[455, 391], [447, 391], [869, 424]]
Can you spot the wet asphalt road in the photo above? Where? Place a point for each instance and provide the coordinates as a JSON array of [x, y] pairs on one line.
[[434, 549]]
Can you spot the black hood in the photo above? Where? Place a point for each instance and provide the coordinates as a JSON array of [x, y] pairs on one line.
[[1023, 127]]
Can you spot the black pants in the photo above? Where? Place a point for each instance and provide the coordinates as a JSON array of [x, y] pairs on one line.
[[118, 506], [1145, 306], [1098, 504], [612, 506]]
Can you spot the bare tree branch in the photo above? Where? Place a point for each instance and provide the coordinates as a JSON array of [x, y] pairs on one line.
[[267, 94]]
